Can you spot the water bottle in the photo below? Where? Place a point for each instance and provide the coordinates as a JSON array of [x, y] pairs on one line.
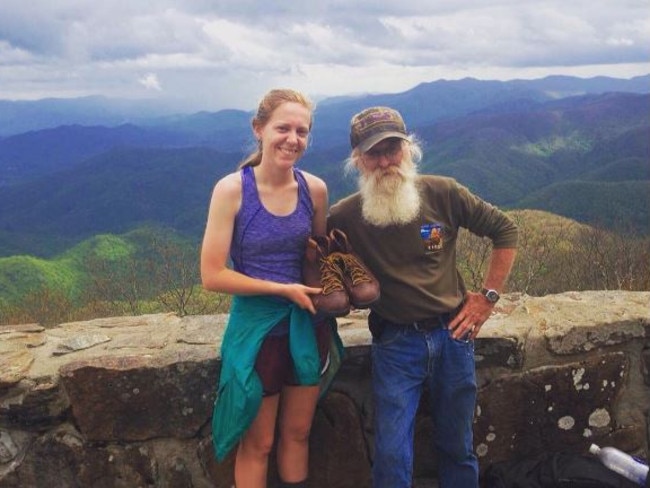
[[621, 463]]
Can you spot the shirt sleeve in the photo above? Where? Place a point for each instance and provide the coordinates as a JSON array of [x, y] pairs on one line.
[[485, 220]]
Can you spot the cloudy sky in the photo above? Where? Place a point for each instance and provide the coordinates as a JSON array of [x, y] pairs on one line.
[[213, 54]]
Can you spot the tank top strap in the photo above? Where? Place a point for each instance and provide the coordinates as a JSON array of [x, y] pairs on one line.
[[249, 187], [304, 195], [251, 205]]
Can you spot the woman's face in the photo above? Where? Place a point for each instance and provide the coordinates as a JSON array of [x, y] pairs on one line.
[[284, 137]]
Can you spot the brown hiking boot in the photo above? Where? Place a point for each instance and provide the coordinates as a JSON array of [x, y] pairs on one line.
[[359, 281], [321, 270]]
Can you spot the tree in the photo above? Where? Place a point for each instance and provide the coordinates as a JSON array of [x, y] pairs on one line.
[[47, 307], [473, 254], [541, 243], [120, 280], [174, 265], [608, 259], [157, 271]]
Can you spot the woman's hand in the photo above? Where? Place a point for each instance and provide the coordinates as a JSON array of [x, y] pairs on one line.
[[300, 295]]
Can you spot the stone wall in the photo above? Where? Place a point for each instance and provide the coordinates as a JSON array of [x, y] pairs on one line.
[[126, 401]]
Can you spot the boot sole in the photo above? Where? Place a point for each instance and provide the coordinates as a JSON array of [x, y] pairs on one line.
[[364, 304]]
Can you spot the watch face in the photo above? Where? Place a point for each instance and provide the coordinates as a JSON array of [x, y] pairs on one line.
[[492, 296]]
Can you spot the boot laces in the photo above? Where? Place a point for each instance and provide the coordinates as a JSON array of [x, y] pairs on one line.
[[357, 273], [331, 275]]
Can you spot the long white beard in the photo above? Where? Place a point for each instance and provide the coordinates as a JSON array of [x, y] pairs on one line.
[[390, 197]]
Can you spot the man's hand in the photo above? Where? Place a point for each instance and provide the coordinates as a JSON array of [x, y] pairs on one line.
[[469, 320]]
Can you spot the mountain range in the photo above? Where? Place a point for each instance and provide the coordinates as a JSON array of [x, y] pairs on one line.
[[72, 169]]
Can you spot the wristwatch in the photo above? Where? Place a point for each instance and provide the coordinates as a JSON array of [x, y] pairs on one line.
[[491, 296]]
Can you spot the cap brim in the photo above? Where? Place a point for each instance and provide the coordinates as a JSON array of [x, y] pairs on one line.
[[371, 141]]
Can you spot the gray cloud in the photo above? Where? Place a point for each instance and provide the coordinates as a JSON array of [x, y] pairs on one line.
[[216, 54]]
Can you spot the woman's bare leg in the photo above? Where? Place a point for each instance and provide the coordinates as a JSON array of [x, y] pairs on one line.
[[298, 404], [252, 461]]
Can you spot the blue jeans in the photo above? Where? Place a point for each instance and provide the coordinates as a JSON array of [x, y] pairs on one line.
[[404, 361]]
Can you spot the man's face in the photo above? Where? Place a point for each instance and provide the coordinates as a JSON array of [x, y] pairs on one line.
[[383, 155]]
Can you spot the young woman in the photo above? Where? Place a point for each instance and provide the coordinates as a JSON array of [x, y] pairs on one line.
[[275, 346]]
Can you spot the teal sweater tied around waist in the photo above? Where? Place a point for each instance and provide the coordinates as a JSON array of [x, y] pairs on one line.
[[239, 394]]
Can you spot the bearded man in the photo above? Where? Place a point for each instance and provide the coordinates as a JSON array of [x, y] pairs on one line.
[[405, 228]]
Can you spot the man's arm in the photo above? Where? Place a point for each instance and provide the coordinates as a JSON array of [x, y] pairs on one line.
[[501, 262]]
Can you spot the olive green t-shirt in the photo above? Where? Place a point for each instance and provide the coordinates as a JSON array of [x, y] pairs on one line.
[[415, 263]]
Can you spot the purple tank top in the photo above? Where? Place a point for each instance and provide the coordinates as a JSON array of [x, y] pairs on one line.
[[267, 246]]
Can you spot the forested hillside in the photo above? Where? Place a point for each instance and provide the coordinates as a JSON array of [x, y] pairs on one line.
[[155, 270]]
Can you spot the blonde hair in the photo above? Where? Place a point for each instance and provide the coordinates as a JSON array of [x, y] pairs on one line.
[[272, 100]]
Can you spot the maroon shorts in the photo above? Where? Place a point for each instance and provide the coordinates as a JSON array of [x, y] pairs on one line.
[[274, 364]]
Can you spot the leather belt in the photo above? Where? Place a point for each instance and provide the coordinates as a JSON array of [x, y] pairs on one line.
[[429, 324], [425, 325], [432, 323], [378, 323]]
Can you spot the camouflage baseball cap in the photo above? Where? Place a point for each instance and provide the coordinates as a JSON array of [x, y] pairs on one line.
[[375, 124]]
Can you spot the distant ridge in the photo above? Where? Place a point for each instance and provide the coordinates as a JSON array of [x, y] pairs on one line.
[[21, 116]]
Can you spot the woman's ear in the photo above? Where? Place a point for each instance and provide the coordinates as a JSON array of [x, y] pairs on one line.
[[257, 130]]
